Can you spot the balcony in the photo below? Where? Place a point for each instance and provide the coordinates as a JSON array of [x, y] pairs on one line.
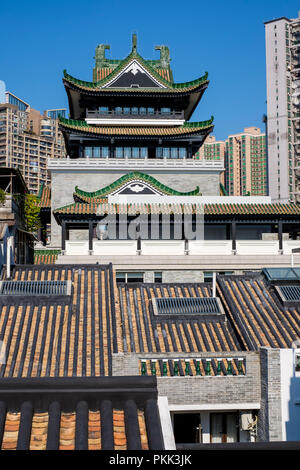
[[127, 116], [108, 163], [130, 114], [171, 248]]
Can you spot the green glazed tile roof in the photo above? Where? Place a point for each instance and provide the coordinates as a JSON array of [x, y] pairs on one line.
[[98, 86], [188, 128], [134, 175]]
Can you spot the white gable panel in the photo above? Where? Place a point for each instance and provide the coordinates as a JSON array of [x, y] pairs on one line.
[[133, 71]]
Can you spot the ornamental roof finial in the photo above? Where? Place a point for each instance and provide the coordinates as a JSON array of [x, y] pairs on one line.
[[100, 54], [164, 56], [134, 42]]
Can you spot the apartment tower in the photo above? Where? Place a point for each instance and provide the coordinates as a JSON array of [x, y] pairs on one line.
[[28, 139], [283, 107], [245, 161]]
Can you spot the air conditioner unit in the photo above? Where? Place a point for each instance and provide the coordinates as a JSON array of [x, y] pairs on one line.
[[245, 420]]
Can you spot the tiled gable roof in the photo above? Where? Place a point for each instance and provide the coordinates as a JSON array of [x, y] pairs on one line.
[[44, 196], [257, 314], [162, 75], [143, 332], [77, 335], [61, 338], [117, 413], [224, 209]]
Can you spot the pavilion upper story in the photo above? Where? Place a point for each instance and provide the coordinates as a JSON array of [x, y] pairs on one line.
[[133, 109]]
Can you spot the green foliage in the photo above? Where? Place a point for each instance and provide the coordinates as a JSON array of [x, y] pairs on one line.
[[2, 197], [32, 213]]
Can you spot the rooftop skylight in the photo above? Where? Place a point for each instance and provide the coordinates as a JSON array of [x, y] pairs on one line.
[[282, 274]]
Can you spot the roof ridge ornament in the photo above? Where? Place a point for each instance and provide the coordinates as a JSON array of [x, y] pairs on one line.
[[164, 56], [100, 59], [134, 43], [100, 54]]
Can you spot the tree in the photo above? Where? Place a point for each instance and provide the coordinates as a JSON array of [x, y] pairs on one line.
[[32, 213], [2, 197]]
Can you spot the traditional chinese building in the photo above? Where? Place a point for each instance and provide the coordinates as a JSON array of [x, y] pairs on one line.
[[130, 147], [132, 124]]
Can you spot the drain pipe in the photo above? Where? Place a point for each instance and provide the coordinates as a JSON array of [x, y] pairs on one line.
[[8, 247], [214, 286]]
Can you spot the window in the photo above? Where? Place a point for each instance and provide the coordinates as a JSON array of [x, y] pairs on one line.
[[174, 153], [105, 152], [135, 152], [119, 152], [187, 428], [190, 428], [208, 275], [88, 151], [131, 152], [127, 152], [103, 110], [171, 152], [224, 427], [182, 153], [129, 277], [157, 277], [96, 152], [143, 152]]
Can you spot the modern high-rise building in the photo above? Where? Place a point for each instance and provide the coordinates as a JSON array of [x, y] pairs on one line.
[[212, 149], [245, 161], [283, 107], [28, 139]]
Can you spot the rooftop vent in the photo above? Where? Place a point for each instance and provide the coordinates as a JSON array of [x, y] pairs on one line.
[[34, 288], [187, 306], [288, 294]]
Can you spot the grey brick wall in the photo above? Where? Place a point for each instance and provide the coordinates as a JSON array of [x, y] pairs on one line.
[[269, 417], [202, 389]]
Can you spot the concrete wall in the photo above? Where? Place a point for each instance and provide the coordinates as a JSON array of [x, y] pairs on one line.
[[63, 185], [182, 276]]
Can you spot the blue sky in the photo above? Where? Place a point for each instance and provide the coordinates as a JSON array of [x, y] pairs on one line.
[[224, 38]]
